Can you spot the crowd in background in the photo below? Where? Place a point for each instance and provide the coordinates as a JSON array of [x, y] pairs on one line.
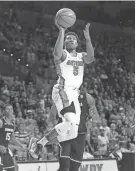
[[108, 79]]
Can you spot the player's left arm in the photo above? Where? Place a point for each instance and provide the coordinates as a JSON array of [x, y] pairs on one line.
[[88, 56]]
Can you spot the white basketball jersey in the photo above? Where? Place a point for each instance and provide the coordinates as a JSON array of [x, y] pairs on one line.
[[71, 71]]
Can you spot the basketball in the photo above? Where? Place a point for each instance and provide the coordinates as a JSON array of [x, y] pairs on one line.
[[65, 17]]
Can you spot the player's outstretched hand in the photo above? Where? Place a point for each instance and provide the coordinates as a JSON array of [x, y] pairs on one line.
[[3, 149], [86, 31]]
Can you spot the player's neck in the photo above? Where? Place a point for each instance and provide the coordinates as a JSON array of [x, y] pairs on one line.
[[71, 51]]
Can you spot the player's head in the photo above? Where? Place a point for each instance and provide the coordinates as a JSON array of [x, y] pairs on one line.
[[71, 41], [8, 111]]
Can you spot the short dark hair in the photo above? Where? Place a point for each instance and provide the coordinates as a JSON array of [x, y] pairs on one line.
[[71, 33]]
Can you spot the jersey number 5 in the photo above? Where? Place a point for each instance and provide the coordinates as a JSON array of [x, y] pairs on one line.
[[8, 136]]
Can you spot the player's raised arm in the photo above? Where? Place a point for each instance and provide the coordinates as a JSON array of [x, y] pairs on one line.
[[89, 55], [58, 49]]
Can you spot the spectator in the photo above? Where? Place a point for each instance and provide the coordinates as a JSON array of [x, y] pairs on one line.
[[131, 148], [103, 142], [123, 137], [19, 119], [37, 133], [113, 136], [117, 154], [30, 123], [106, 128], [23, 137], [123, 148], [119, 126]]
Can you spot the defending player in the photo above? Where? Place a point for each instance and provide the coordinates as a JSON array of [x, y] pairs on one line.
[[71, 151], [6, 135], [70, 69]]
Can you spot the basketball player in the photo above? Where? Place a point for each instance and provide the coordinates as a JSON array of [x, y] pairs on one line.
[[70, 68], [71, 151], [7, 161]]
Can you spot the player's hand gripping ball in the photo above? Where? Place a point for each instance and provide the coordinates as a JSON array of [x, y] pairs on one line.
[[65, 18]]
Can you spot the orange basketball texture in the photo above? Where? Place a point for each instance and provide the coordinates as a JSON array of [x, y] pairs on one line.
[[65, 17]]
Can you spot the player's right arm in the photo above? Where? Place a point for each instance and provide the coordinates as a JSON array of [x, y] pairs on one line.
[[2, 148], [58, 52]]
